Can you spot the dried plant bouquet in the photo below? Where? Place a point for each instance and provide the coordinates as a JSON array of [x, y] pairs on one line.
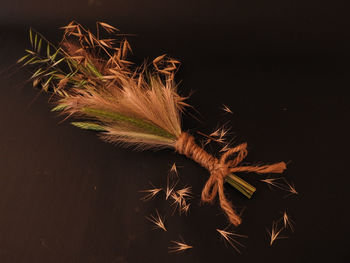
[[91, 80]]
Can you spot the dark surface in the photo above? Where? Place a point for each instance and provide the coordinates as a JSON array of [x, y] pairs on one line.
[[281, 66]]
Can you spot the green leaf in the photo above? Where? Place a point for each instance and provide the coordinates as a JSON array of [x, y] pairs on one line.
[[88, 126], [69, 65], [29, 61], [72, 73], [48, 50], [141, 124], [64, 93], [37, 73], [46, 84], [50, 73], [35, 40], [39, 45], [59, 107], [53, 57], [23, 58], [93, 69], [40, 61], [31, 36], [81, 84], [57, 62], [30, 52]]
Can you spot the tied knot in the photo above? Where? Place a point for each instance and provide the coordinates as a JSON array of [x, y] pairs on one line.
[[220, 168], [218, 172]]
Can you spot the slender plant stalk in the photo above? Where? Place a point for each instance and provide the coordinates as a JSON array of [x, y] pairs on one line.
[[241, 185]]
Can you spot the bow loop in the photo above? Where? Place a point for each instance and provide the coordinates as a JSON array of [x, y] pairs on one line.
[[217, 173], [220, 168], [241, 151]]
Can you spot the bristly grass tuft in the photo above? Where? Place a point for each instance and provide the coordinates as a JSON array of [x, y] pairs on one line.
[[92, 80]]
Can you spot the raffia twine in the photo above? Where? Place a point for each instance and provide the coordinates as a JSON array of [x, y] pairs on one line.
[[219, 169]]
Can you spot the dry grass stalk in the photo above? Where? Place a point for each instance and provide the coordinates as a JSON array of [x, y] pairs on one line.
[[185, 192], [287, 222], [275, 232], [151, 193], [225, 148], [273, 182], [173, 168], [226, 109], [223, 133], [229, 238], [158, 221], [215, 133], [211, 138], [285, 185], [170, 186], [217, 136], [173, 173], [291, 189], [180, 200], [178, 247], [185, 208]]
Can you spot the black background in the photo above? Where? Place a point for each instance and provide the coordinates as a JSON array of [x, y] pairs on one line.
[[283, 69]]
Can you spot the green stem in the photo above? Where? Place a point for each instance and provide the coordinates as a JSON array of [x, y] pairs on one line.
[[241, 185]]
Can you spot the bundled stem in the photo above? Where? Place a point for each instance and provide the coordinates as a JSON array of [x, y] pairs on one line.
[[92, 80], [222, 168]]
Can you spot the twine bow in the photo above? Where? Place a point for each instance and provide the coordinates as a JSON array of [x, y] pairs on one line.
[[220, 168]]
